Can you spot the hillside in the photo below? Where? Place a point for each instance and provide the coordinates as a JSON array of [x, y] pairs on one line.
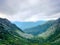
[[52, 34], [10, 34], [39, 29]]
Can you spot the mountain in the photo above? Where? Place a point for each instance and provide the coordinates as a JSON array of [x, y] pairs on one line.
[[10, 34], [27, 25], [52, 34], [40, 28], [12, 27]]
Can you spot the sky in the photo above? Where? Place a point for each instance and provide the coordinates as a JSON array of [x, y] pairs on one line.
[[29, 10]]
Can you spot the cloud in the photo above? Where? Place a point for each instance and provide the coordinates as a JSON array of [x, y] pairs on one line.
[[43, 17], [29, 10]]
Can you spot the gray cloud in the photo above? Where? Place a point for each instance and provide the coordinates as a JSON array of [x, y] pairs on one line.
[[26, 9]]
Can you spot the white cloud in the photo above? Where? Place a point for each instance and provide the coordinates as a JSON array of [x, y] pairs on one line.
[[30, 10], [43, 17]]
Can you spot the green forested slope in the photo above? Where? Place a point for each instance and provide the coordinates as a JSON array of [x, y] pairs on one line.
[[10, 34]]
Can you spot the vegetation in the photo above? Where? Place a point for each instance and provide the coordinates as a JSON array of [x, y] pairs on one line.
[[10, 36]]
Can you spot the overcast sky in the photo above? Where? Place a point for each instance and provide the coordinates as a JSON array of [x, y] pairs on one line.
[[29, 10]]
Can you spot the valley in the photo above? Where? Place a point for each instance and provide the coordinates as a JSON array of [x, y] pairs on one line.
[[47, 34]]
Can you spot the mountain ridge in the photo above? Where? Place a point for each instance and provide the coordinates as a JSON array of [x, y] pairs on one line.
[[40, 28], [26, 25], [10, 34]]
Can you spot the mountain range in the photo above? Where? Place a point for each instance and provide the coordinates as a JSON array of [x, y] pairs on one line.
[[27, 25], [40, 28], [10, 34]]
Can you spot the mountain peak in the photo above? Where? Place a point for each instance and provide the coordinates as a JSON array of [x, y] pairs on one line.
[[5, 21], [58, 20]]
